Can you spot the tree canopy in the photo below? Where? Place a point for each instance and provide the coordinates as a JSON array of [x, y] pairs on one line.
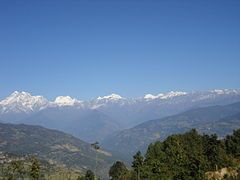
[[186, 156]]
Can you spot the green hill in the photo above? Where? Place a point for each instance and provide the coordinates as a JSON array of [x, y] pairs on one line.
[[185, 156], [53, 146], [20, 167]]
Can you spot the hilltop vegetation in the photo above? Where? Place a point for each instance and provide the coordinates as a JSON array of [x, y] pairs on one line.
[[13, 167], [53, 146], [181, 156], [196, 154], [184, 156]]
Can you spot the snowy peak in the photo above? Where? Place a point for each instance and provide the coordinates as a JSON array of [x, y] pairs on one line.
[[66, 101], [105, 101], [151, 97], [225, 91], [168, 95], [172, 94], [22, 102], [112, 97], [19, 102]]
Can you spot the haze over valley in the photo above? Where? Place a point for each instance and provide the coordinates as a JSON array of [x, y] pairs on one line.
[[119, 90], [99, 118]]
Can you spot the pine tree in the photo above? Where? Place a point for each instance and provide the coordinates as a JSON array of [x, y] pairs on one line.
[[118, 170], [89, 175], [35, 169], [232, 144], [137, 164]]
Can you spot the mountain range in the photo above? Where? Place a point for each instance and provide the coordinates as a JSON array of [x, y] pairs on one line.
[[220, 119], [99, 118]]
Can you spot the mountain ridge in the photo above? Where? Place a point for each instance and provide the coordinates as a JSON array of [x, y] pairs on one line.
[[26, 99], [213, 119], [111, 113], [52, 146]]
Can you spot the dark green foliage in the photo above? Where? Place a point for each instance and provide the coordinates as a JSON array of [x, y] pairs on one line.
[[89, 175], [137, 164], [138, 160], [214, 150], [178, 157], [35, 169], [118, 170], [15, 170], [80, 178], [232, 144], [186, 156]]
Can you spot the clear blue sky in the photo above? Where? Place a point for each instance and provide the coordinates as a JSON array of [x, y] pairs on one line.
[[86, 48]]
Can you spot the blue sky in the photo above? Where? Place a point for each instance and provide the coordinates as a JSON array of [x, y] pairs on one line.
[[87, 48]]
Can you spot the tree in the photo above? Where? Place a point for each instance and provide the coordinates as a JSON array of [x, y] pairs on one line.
[[89, 175], [232, 144], [35, 169], [196, 161], [15, 170], [118, 170], [214, 150], [19, 169], [183, 156], [80, 178], [137, 163]]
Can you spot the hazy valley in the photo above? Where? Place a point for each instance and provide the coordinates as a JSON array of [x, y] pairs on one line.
[[123, 126]]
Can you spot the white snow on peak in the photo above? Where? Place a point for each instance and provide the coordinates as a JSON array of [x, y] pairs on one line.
[[110, 97], [225, 91], [66, 101], [218, 91], [168, 95], [23, 102], [150, 96], [172, 94]]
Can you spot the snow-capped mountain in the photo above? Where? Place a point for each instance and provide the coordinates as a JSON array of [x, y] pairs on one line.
[[111, 112], [112, 97], [171, 94], [67, 101], [23, 102], [19, 102], [132, 111]]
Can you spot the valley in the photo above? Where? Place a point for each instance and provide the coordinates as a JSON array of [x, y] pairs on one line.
[[60, 133]]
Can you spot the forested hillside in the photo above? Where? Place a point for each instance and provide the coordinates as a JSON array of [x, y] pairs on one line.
[[54, 147], [185, 156]]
